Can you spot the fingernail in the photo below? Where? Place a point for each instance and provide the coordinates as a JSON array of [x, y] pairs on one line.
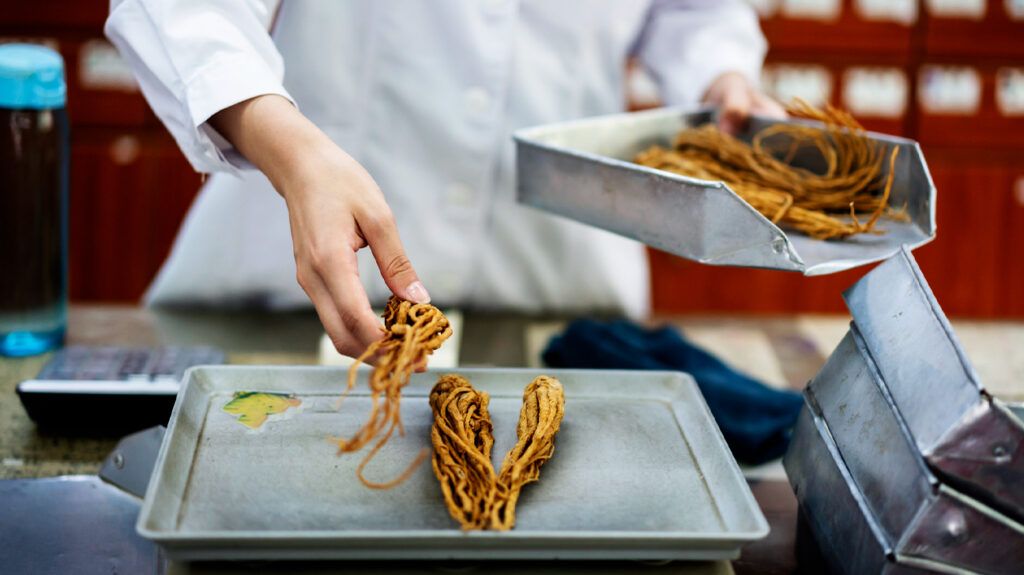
[[417, 293]]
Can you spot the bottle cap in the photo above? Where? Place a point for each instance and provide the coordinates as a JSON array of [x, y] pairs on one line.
[[31, 76]]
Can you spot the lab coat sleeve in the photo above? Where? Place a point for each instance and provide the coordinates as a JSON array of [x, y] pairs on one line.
[[193, 58], [686, 44]]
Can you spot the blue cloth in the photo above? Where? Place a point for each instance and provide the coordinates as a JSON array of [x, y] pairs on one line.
[[755, 419]]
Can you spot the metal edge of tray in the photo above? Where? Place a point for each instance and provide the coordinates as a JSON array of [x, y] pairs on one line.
[[923, 519], [893, 304], [190, 381], [707, 222], [419, 544], [880, 457], [703, 452], [949, 533], [960, 533], [969, 437], [1016, 408], [846, 533], [983, 456]]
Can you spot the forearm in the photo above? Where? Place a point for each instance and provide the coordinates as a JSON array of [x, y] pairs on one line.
[[334, 209], [274, 135], [192, 59]]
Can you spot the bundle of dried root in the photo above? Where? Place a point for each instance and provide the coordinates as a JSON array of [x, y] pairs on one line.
[[462, 437], [851, 183], [411, 333], [539, 420]]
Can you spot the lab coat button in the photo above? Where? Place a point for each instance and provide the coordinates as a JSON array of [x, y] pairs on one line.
[[478, 101], [460, 195]]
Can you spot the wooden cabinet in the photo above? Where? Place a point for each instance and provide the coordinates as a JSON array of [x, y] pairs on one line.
[[682, 286], [130, 186], [993, 31], [836, 27], [975, 264], [129, 193], [974, 148], [984, 107], [53, 17], [102, 92]]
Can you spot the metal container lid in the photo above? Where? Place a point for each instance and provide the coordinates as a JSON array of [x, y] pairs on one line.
[[32, 77]]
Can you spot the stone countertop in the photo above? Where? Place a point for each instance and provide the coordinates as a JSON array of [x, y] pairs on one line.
[[26, 451], [782, 351], [247, 337]]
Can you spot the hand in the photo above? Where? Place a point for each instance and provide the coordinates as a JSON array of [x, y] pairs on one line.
[[737, 100], [334, 208]]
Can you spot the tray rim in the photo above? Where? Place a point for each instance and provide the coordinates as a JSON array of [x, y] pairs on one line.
[[729, 539]]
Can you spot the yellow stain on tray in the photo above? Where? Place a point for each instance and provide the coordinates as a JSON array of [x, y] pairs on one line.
[[254, 407]]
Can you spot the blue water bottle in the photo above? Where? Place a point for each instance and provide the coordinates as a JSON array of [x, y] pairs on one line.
[[33, 200]]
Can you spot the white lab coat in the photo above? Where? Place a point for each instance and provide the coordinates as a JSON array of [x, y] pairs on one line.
[[424, 94]]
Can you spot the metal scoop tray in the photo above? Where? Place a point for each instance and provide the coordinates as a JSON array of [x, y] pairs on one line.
[[640, 471], [583, 170], [932, 463]]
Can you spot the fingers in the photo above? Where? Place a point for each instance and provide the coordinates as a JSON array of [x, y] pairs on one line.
[[734, 108], [396, 269], [342, 339], [382, 235], [332, 282], [737, 99], [767, 107]]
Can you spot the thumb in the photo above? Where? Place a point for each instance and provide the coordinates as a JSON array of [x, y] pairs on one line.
[[731, 92], [394, 265], [735, 108], [763, 105]]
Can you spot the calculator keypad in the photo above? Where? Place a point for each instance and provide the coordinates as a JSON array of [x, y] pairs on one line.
[[137, 364]]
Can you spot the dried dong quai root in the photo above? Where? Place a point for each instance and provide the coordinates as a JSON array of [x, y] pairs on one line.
[[411, 333], [811, 202], [539, 419], [462, 437]]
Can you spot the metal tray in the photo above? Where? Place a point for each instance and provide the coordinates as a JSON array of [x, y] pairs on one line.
[[918, 519], [969, 438], [583, 170], [900, 459], [831, 503], [641, 472]]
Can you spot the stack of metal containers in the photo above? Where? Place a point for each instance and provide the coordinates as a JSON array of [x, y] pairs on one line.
[[901, 461]]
